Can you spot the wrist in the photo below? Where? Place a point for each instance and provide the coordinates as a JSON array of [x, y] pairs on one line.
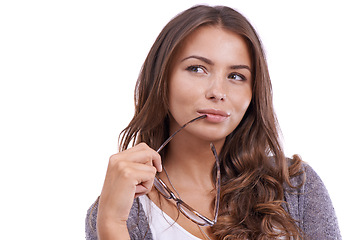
[[112, 230]]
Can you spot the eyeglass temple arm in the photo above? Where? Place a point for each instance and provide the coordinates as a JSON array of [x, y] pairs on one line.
[[170, 138], [218, 182]]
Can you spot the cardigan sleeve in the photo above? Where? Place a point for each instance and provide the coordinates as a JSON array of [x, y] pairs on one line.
[[137, 223], [316, 211], [90, 222]]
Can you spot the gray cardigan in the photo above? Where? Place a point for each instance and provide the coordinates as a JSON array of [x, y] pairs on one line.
[[310, 205]]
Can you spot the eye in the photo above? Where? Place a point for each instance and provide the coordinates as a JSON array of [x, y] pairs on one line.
[[237, 77], [196, 69]]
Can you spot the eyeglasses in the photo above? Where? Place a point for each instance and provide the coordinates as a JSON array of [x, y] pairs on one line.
[[184, 208]]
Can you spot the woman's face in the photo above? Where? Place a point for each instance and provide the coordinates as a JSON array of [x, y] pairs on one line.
[[210, 74]]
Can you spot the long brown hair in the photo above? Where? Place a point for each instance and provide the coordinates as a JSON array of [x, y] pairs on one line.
[[254, 168]]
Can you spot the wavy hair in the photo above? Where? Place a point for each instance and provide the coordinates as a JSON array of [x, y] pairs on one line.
[[253, 166]]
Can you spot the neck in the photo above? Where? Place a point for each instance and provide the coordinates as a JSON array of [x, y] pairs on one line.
[[190, 160]]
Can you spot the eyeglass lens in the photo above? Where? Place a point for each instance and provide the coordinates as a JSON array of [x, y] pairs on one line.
[[162, 189], [183, 207], [191, 215]]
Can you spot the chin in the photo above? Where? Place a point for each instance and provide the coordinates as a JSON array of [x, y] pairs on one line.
[[213, 136]]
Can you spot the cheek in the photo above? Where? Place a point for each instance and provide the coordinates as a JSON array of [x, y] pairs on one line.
[[240, 103], [241, 100], [247, 100], [177, 95], [182, 93]]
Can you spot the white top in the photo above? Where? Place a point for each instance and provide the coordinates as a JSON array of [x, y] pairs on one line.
[[163, 226]]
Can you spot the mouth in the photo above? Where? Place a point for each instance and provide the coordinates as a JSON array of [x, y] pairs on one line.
[[214, 115]]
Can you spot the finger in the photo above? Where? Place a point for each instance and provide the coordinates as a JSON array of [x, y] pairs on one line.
[[151, 155], [140, 153], [155, 156], [143, 188], [146, 176], [135, 173]]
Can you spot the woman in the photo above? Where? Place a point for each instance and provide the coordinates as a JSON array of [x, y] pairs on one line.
[[207, 65]]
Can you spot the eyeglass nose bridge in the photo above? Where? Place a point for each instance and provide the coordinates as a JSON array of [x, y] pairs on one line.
[[174, 197]]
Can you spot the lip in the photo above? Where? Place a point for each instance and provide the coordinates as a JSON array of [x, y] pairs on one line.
[[214, 115]]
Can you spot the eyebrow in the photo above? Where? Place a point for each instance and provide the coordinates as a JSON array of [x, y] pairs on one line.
[[208, 61]]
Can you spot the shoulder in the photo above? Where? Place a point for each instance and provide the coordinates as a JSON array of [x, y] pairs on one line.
[[308, 185], [137, 223], [307, 180], [309, 203]]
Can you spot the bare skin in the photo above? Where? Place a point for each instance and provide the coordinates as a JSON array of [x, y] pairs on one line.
[[210, 74]]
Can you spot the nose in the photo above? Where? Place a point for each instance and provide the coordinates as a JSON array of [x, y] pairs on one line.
[[216, 90]]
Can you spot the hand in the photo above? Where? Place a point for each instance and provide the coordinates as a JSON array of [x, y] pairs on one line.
[[129, 174]]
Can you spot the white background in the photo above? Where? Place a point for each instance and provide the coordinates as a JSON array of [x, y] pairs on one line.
[[68, 69]]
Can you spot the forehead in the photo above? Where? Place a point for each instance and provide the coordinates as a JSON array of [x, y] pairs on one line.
[[218, 44]]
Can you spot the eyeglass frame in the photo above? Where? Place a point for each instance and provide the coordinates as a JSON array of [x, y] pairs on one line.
[[179, 201]]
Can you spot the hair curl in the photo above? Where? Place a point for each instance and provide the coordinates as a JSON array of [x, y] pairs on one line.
[[253, 166]]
